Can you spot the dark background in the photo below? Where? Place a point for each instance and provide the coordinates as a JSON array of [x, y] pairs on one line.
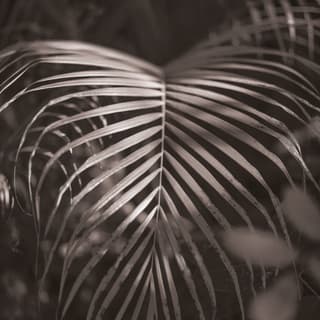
[[156, 30]]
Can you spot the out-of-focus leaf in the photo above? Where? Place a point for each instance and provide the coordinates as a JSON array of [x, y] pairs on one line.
[[302, 212], [280, 302], [259, 247]]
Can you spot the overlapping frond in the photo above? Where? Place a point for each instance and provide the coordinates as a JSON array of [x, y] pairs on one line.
[[290, 26], [146, 167]]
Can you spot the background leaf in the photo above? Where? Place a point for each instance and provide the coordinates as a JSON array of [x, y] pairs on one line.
[[280, 302], [302, 211], [258, 247]]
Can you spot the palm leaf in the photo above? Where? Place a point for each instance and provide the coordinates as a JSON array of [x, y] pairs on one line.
[[163, 159]]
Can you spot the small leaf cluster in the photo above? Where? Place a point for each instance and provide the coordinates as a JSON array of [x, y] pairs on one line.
[[258, 247]]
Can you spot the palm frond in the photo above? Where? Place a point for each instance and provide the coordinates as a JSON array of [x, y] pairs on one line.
[[163, 160]]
